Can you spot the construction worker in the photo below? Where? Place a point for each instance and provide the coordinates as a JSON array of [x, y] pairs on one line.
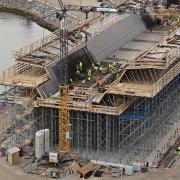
[[178, 19], [114, 64], [89, 74], [77, 72], [80, 66], [95, 68], [97, 81], [111, 67], [178, 150], [93, 65]]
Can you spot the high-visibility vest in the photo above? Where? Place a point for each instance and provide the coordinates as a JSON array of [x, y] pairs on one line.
[[80, 65], [89, 73], [95, 68], [110, 66]]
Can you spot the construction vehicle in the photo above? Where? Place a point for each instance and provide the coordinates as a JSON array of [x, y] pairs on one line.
[[64, 116]]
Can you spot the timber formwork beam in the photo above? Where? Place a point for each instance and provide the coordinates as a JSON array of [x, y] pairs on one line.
[[145, 89]]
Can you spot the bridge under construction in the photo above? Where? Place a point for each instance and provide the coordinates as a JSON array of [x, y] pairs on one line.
[[131, 115]]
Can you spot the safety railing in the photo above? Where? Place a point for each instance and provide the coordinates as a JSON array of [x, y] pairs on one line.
[[26, 50], [163, 81], [81, 106], [29, 82], [9, 76], [13, 70], [172, 56], [146, 90]]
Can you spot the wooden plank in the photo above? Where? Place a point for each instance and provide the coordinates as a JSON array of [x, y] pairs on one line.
[[88, 168], [97, 98]]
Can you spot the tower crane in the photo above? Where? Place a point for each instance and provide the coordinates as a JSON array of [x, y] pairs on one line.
[[64, 115]]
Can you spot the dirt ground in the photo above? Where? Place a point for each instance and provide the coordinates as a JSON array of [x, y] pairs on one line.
[[15, 173]]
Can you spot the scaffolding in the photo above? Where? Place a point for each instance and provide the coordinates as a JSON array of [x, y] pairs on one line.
[[131, 136], [127, 121], [17, 122]]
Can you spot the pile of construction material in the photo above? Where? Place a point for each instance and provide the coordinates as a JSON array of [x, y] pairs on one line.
[[80, 167]]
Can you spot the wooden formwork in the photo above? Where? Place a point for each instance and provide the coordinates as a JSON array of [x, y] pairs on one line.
[[18, 75], [145, 90]]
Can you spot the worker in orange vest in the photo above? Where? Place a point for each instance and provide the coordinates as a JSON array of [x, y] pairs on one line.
[[97, 80]]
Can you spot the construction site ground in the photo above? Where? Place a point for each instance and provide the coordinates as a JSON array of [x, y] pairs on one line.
[[16, 173]]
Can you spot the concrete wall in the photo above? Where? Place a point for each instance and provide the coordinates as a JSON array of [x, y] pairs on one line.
[[108, 42], [52, 85]]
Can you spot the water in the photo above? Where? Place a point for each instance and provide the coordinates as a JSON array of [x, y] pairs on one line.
[[15, 32]]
